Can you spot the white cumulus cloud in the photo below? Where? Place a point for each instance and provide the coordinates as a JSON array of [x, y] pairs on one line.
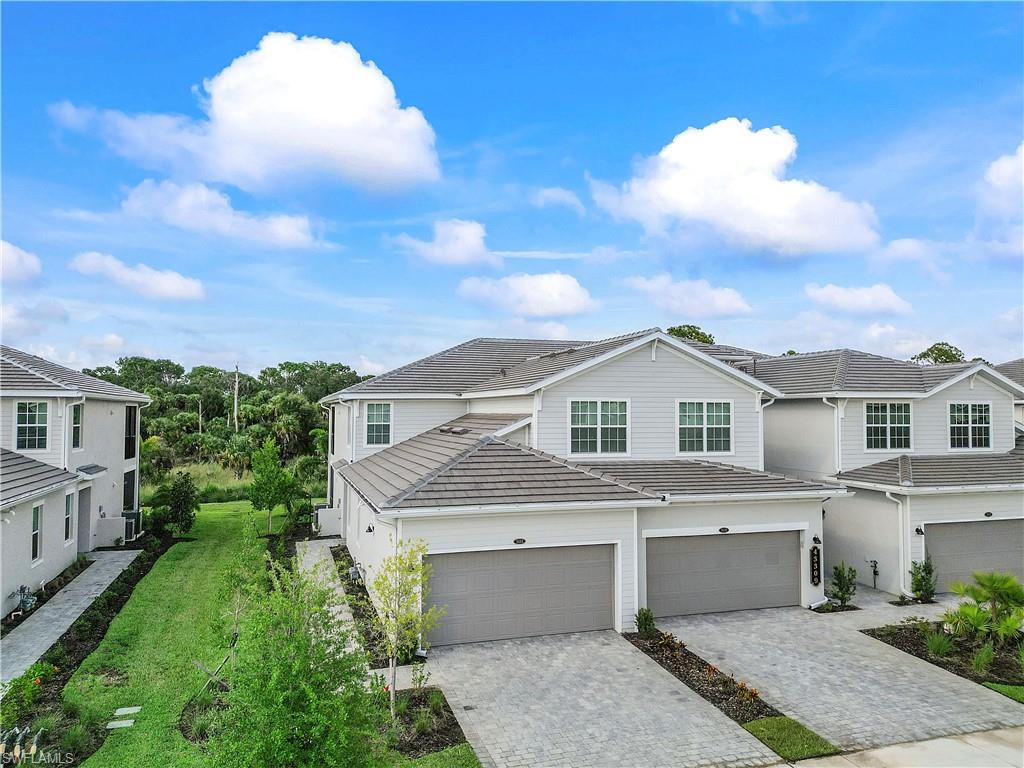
[[693, 298], [551, 294], [292, 107], [858, 300], [1000, 225], [18, 265], [198, 208], [456, 243], [141, 279], [731, 178], [548, 196]]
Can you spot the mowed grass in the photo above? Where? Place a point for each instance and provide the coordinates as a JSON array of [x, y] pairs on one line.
[[1015, 692], [148, 656], [459, 756], [789, 739]]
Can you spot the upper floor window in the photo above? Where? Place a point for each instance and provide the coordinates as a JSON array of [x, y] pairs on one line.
[[31, 426], [970, 425], [378, 423], [131, 430], [76, 425], [37, 532], [598, 426], [705, 426], [886, 426], [69, 505]]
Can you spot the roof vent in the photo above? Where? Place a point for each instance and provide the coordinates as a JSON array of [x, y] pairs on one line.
[[445, 430], [458, 430]]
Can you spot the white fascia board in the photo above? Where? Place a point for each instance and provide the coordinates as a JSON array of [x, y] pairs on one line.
[[9, 392], [513, 426], [517, 392], [1008, 384], [37, 493], [935, 490], [341, 397], [767, 496], [512, 509], [852, 395]]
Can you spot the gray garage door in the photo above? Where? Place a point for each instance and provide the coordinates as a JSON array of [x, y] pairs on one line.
[[960, 549], [522, 592], [704, 574]]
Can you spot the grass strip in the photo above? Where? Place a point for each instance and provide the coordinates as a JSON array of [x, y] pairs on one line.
[[789, 739], [459, 756], [1015, 692]]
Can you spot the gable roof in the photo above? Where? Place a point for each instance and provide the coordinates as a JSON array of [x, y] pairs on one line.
[[851, 370], [22, 477], [1013, 370], [20, 370]]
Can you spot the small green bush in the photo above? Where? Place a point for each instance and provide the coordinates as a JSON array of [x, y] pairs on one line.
[[983, 658], [645, 622], [844, 583], [922, 579], [75, 739], [938, 644], [21, 693], [436, 701], [423, 722], [401, 706]]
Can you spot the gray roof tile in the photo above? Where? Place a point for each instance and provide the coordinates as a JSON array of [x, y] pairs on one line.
[[20, 370], [939, 471], [1013, 370], [22, 476]]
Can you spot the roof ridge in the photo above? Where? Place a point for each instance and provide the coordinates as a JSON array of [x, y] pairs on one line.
[[7, 358], [842, 368], [751, 471], [905, 469]]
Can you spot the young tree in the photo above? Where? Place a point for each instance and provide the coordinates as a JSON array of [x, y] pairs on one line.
[[271, 484], [297, 694], [176, 502], [693, 332], [401, 587], [939, 352]]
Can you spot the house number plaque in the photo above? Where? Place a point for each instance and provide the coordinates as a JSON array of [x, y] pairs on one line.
[[815, 566]]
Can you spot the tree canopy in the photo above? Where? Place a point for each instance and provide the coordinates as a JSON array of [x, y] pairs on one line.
[[940, 352], [692, 332]]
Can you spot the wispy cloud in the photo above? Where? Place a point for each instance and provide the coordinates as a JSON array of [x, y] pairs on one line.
[[141, 278]]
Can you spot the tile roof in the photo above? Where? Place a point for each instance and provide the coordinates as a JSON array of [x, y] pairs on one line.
[[1013, 370], [847, 370], [947, 470], [725, 352], [22, 477], [20, 370], [696, 477]]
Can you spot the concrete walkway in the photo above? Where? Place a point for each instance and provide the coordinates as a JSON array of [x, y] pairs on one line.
[[24, 644], [1002, 748], [315, 560]]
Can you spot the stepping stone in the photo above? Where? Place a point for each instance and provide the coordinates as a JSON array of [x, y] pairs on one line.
[[127, 711], [113, 724]]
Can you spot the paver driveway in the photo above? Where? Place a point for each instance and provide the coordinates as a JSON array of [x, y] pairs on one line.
[[588, 699], [854, 690]]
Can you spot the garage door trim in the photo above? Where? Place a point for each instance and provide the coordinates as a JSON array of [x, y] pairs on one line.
[[661, 533], [992, 519]]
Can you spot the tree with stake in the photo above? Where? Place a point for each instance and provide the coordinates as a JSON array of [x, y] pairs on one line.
[[401, 587]]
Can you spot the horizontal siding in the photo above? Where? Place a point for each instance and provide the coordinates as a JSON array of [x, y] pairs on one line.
[[522, 405], [653, 388], [54, 453], [408, 419]]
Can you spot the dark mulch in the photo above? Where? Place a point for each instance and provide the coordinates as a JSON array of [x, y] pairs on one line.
[[444, 731], [910, 638], [835, 608], [53, 586], [904, 601], [362, 609], [737, 700], [283, 545]]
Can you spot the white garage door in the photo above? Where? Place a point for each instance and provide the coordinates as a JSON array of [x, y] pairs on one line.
[[508, 593], [732, 572], [959, 549]]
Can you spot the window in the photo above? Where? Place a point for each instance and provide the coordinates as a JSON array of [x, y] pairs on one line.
[[378, 423], [37, 532], [31, 427], [131, 427], [76, 426], [69, 503], [970, 425], [129, 491], [598, 426], [705, 427], [887, 426]]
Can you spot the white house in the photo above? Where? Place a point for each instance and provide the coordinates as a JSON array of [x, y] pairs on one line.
[[560, 486], [69, 478], [929, 453]]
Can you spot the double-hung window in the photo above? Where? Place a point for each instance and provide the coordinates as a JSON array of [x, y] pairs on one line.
[[704, 426], [76, 425], [886, 426], [970, 425], [378, 423], [37, 532], [598, 426], [69, 505], [31, 426]]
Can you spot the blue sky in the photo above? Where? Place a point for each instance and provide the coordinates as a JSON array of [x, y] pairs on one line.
[[232, 182]]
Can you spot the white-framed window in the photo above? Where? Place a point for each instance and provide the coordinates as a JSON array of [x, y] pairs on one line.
[[31, 422], [69, 524], [704, 426], [76, 425], [598, 427], [37, 532], [887, 426], [378, 423], [970, 425]]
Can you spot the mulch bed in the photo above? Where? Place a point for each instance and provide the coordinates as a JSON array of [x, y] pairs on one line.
[[362, 609], [910, 638], [445, 730], [904, 601], [53, 586], [737, 700], [835, 608]]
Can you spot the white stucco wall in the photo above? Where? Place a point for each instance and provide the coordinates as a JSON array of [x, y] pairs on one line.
[[103, 444], [864, 527], [368, 549], [799, 438]]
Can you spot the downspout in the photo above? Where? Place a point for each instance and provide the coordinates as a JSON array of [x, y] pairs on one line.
[[902, 542], [837, 447], [760, 412]]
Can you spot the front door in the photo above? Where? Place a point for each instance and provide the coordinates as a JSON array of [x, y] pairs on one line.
[[85, 519]]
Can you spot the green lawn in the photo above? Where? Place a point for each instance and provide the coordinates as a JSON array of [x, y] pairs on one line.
[[789, 739], [204, 474], [1015, 692], [459, 756], [153, 643]]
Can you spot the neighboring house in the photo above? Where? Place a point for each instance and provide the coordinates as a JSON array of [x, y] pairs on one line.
[[560, 486], [68, 470], [1014, 370], [929, 452]]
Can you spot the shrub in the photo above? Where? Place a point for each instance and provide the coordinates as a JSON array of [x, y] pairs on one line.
[[938, 644], [420, 675], [983, 658], [21, 693], [75, 739], [423, 722], [995, 607], [179, 498], [645, 622], [401, 706], [436, 701], [922, 579], [844, 583]]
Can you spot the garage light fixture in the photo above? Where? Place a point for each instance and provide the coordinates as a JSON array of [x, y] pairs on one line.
[[816, 540], [919, 531], [369, 529]]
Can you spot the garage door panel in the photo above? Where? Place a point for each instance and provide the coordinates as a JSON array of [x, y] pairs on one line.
[[959, 549], [702, 574], [522, 592]]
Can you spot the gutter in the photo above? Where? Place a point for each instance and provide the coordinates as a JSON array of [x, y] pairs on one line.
[[506, 509], [759, 496], [932, 490]]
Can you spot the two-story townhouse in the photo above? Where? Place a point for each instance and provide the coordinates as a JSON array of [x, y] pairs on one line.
[[69, 479], [928, 452], [560, 486]]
